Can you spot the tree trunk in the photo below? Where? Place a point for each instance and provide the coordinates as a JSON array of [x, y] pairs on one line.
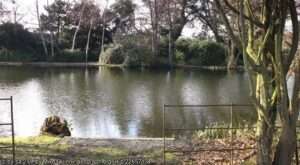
[[264, 136], [51, 38], [232, 62], [171, 41], [88, 42], [217, 36], [103, 29], [154, 25], [286, 146], [171, 48], [40, 29], [77, 28], [265, 63], [52, 44]]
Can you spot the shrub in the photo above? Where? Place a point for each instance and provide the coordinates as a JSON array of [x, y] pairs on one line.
[[207, 53], [129, 52], [15, 56], [212, 132], [68, 56], [113, 54], [179, 56], [137, 56], [138, 53], [201, 52], [18, 44], [182, 45]]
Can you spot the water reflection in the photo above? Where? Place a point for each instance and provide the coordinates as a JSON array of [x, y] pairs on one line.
[[117, 103]]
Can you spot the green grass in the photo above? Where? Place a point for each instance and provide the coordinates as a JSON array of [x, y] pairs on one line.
[[109, 152], [213, 132], [36, 140], [49, 147]]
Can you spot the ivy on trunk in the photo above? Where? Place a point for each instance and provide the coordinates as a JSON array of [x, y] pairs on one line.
[[261, 35]]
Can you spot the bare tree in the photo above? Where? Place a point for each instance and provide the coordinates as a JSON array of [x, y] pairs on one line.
[[170, 35], [103, 26], [153, 7], [40, 28], [51, 38], [88, 40], [83, 7]]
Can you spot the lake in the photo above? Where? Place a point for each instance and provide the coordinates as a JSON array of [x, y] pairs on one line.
[[113, 103]]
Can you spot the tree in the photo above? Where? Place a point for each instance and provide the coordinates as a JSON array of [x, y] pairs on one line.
[[153, 7], [169, 23], [1, 9], [103, 26], [56, 18], [40, 29], [205, 11], [82, 8], [262, 27], [13, 37], [124, 15]]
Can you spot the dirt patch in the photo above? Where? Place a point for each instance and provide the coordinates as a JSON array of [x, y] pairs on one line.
[[218, 151]]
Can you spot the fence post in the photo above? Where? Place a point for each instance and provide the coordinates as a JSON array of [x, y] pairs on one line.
[[231, 132], [163, 133], [296, 152], [12, 130]]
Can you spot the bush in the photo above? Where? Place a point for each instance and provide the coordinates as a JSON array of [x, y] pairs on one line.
[[18, 44], [75, 56], [129, 52], [113, 54], [68, 56], [15, 56], [182, 45], [201, 52], [179, 56]]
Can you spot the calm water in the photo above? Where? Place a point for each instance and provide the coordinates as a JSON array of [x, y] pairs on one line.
[[118, 103]]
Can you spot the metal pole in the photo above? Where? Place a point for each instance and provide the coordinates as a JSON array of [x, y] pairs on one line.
[[296, 153], [163, 132], [231, 125], [12, 129]]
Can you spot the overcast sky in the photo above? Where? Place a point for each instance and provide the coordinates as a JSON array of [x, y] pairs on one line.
[[27, 12], [27, 9]]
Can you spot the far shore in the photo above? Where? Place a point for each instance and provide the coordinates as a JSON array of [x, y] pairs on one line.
[[96, 65], [51, 64]]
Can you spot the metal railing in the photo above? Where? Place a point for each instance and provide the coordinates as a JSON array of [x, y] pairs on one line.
[[231, 149], [11, 124]]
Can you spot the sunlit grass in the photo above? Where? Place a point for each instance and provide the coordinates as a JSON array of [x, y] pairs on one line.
[[222, 130], [109, 151], [34, 140]]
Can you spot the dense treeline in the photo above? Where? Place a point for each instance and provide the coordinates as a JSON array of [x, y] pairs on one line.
[[84, 31]]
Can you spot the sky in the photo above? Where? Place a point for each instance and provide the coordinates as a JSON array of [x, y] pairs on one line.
[[27, 12], [27, 9]]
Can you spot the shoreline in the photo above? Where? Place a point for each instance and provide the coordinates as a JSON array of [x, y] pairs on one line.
[[72, 148], [110, 149], [51, 64], [97, 65]]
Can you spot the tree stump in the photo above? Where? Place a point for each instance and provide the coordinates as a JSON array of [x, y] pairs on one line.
[[55, 126]]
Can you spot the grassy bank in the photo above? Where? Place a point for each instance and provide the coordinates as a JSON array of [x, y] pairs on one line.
[[47, 147]]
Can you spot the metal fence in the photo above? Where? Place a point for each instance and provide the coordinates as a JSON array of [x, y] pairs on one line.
[[11, 124], [231, 149]]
